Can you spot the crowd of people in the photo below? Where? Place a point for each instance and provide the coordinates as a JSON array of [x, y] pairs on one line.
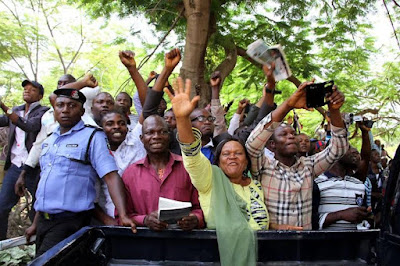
[[87, 159]]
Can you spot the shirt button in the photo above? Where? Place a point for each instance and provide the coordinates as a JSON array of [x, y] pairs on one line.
[[49, 164], [55, 145]]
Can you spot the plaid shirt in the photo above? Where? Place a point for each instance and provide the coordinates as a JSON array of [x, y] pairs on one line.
[[288, 190]]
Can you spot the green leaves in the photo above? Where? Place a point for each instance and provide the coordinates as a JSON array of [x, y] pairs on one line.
[[17, 255]]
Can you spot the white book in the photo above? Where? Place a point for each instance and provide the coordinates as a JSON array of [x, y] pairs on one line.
[[265, 55], [171, 211]]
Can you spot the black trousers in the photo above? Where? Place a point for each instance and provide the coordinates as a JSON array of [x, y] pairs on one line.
[[51, 231]]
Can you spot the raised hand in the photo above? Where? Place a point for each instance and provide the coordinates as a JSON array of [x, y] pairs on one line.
[[215, 79], [298, 98], [362, 126], [127, 58], [152, 74], [90, 81], [242, 105], [336, 99], [172, 58], [269, 73], [181, 103]]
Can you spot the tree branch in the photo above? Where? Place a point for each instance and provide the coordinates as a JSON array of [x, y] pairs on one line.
[[76, 54], [29, 54], [242, 52], [145, 59], [368, 110], [229, 63], [391, 22], [15, 60], [54, 39]]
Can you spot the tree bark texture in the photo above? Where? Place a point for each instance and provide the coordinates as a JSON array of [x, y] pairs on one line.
[[197, 13]]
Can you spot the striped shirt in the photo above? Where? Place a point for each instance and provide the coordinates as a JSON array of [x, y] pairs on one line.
[[338, 193], [288, 190]]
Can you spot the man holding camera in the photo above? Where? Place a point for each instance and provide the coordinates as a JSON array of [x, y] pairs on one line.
[[286, 179]]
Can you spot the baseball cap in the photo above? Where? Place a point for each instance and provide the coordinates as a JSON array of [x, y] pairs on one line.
[[34, 84]]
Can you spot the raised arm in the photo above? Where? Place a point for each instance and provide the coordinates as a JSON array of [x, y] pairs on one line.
[[196, 164], [152, 102], [151, 77], [216, 108], [128, 60], [267, 106], [235, 120], [88, 81], [339, 144], [362, 170]]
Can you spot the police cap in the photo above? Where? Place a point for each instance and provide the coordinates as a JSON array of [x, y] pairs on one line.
[[72, 94]]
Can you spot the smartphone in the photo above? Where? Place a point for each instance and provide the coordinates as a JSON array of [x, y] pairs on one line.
[[315, 93]]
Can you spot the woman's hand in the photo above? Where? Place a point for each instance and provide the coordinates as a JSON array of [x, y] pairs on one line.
[[181, 103]]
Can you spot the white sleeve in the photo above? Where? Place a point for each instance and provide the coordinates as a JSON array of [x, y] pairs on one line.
[[234, 124]]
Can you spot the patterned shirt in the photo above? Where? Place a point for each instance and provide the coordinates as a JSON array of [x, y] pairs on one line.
[[288, 190]]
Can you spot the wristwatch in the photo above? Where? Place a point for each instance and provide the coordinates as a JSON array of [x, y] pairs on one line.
[[9, 111]]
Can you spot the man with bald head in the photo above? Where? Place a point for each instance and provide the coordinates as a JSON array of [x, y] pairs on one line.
[[65, 79], [102, 103], [160, 174]]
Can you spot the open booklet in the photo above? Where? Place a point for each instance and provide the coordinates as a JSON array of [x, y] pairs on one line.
[[265, 55], [171, 211]]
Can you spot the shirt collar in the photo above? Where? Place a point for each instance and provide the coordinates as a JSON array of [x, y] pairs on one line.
[[172, 158], [77, 127], [33, 105], [209, 145]]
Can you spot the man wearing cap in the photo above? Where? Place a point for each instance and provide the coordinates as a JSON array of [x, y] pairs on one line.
[[24, 125], [71, 159], [48, 126]]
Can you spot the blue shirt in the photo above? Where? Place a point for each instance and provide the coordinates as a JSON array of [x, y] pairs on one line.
[[207, 151], [67, 185]]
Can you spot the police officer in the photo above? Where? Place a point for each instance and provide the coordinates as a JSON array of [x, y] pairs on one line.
[[71, 159]]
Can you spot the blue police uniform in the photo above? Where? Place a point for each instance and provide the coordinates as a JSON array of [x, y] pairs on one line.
[[67, 184]]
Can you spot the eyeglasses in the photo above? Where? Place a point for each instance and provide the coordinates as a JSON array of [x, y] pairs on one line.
[[202, 118]]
